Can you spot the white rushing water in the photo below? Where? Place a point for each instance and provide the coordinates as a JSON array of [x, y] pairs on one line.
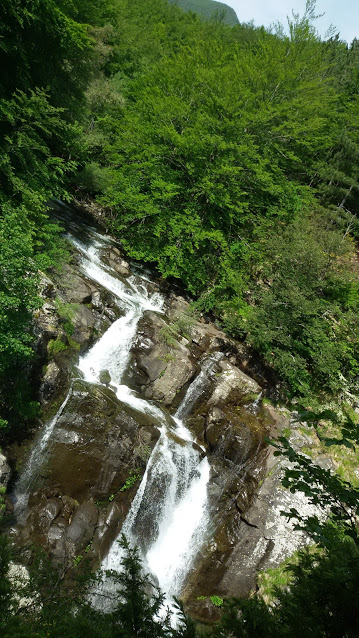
[[168, 516]]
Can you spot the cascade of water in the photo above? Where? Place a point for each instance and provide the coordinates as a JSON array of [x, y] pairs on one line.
[[169, 531], [168, 515], [111, 352], [254, 407], [199, 385], [28, 475]]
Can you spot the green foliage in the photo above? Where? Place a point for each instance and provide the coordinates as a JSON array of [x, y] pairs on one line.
[[41, 46], [55, 346], [303, 317], [211, 162], [130, 481], [44, 55], [133, 477], [56, 609], [216, 600], [136, 612], [67, 313], [321, 594]]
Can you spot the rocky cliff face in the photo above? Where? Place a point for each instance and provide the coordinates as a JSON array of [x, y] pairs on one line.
[[80, 499]]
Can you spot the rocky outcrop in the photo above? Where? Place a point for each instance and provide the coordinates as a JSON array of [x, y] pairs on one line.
[[5, 472], [75, 310], [93, 450], [246, 496], [74, 288], [252, 534], [115, 260], [81, 499], [162, 358]]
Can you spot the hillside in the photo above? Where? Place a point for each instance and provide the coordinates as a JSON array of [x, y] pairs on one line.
[[208, 8], [179, 345]]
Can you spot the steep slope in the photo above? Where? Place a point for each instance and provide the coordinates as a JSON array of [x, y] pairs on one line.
[[208, 8]]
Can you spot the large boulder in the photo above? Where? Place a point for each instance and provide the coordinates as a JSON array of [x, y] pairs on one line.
[[5, 471], [83, 324], [51, 381], [162, 358], [93, 443], [114, 259], [74, 287]]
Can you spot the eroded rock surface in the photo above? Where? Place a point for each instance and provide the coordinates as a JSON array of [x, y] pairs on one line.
[[163, 359], [115, 260], [75, 311], [5, 472], [93, 450]]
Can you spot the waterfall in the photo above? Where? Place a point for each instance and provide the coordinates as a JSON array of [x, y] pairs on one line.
[[168, 517], [29, 473]]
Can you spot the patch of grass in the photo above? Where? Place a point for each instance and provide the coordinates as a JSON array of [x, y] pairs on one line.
[[216, 600], [73, 344], [55, 346], [130, 481], [133, 477], [167, 358], [168, 336], [170, 333], [67, 313], [345, 459], [266, 401], [280, 577]]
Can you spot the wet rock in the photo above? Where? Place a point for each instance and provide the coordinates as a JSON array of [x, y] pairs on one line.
[[166, 362], [83, 322], [110, 313], [96, 300], [105, 377], [114, 259], [50, 382], [45, 507], [267, 538], [232, 381], [94, 445], [46, 323], [251, 533], [108, 527], [5, 472], [232, 437], [80, 531], [49, 512], [74, 287]]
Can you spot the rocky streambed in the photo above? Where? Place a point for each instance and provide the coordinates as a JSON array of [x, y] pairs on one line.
[[153, 418]]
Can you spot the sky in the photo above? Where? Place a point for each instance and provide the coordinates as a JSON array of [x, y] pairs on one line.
[[343, 14]]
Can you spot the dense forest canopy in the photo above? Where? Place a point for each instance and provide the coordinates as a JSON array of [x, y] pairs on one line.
[[228, 158], [231, 162]]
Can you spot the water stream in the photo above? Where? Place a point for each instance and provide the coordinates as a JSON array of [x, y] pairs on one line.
[[168, 516]]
